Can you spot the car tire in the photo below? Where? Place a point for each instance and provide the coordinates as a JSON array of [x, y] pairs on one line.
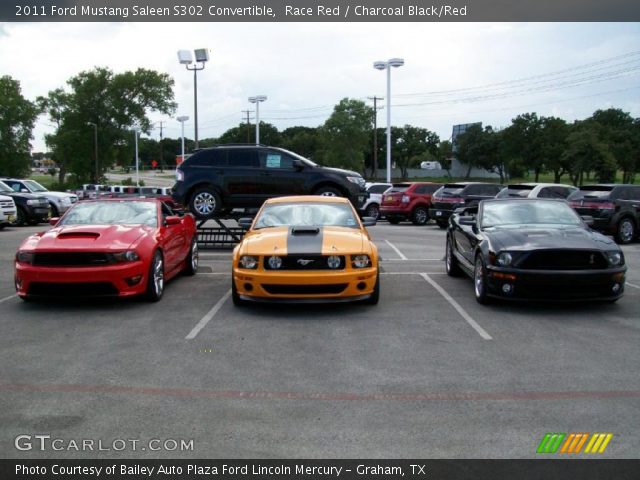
[[54, 210], [625, 231], [372, 211], [420, 216], [374, 298], [205, 203], [155, 282], [442, 224], [21, 217], [328, 192], [235, 297], [191, 262], [450, 261], [480, 281], [393, 220]]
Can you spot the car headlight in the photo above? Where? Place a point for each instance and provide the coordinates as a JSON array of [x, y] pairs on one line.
[[248, 261], [275, 262], [504, 259], [333, 261], [615, 258], [360, 261], [33, 202], [66, 201], [128, 256], [358, 180], [24, 257]]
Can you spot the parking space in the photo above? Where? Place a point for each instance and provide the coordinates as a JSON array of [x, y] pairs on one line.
[[412, 377]]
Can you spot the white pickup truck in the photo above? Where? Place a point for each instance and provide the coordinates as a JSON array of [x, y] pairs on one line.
[[7, 211]]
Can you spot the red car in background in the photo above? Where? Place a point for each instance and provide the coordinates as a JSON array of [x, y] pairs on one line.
[[108, 247], [408, 201]]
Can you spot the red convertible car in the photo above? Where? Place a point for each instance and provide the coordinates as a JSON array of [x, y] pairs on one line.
[[110, 247]]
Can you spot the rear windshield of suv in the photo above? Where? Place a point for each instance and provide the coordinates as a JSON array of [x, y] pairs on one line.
[[399, 187], [452, 189], [516, 191], [592, 192]]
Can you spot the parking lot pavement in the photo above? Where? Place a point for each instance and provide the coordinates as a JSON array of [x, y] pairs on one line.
[[411, 377]]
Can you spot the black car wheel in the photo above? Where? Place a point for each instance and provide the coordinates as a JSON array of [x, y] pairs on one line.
[[442, 224], [372, 211], [626, 231], [205, 203], [328, 192], [450, 261], [54, 210], [420, 216], [155, 283], [191, 262], [480, 281], [393, 220], [375, 296], [21, 217]]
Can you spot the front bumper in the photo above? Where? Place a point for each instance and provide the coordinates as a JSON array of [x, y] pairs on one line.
[[308, 286], [556, 285], [73, 282], [38, 213]]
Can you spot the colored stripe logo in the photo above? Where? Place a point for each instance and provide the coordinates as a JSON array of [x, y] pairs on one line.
[[573, 443]]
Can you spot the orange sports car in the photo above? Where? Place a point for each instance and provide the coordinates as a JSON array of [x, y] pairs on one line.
[[306, 249]]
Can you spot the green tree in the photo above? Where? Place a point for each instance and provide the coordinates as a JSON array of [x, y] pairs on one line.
[[410, 145], [617, 133], [553, 142], [469, 147], [17, 117], [269, 135], [345, 135], [115, 103], [522, 141], [304, 141], [585, 152]]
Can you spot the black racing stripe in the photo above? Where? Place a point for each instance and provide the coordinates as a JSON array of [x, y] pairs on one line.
[[304, 241]]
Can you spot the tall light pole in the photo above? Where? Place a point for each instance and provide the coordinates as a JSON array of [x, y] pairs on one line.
[[182, 119], [202, 56], [136, 130], [257, 99], [95, 150], [392, 62]]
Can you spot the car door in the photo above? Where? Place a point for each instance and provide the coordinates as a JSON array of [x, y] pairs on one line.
[[173, 239], [281, 176], [244, 180]]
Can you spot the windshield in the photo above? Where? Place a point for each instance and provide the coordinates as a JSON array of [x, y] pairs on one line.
[[299, 157], [34, 186], [588, 193], [307, 214], [112, 213], [513, 213], [5, 188]]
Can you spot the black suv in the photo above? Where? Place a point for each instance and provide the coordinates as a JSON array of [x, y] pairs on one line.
[[615, 209], [215, 180], [30, 208], [457, 195]]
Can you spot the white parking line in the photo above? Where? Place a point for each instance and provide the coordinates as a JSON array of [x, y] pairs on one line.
[[413, 259], [481, 331], [400, 254], [630, 284], [207, 318], [9, 297], [412, 273]]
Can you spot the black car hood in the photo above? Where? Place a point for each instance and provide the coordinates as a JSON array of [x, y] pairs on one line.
[[541, 237], [26, 196], [346, 173]]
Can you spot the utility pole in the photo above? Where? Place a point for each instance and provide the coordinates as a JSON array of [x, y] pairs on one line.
[[161, 150], [375, 135], [248, 112]]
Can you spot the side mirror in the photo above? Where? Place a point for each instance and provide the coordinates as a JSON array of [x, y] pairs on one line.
[[588, 220], [53, 221], [298, 164], [369, 221], [24, 190], [468, 220], [245, 222], [172, 220]]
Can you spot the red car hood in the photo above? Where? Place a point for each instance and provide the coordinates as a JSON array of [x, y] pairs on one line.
[[91, 237]]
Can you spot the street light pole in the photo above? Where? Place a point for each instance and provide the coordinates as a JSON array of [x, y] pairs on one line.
[[182, 119], [201, 56], [392, 62], [135, 133], [257, 99], [95, 150]]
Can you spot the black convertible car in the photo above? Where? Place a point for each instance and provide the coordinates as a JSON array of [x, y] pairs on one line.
[[533, 249]]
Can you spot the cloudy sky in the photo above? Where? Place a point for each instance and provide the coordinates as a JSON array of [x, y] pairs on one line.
[[453, 73]]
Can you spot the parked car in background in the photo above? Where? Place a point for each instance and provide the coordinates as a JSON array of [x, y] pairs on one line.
[[108, 247], [457, 195], [31, 209], [615, 209], [7, 211], [408, 201], [537, 190], [218, 179], [306, 249], [533, 249], [59, 202], [431, 165], [371, 208]]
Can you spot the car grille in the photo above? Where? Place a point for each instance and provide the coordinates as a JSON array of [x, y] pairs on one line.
[[305, 262], [4, 205], [305, 289], [72, 289], [72, 259], [564, 260]]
